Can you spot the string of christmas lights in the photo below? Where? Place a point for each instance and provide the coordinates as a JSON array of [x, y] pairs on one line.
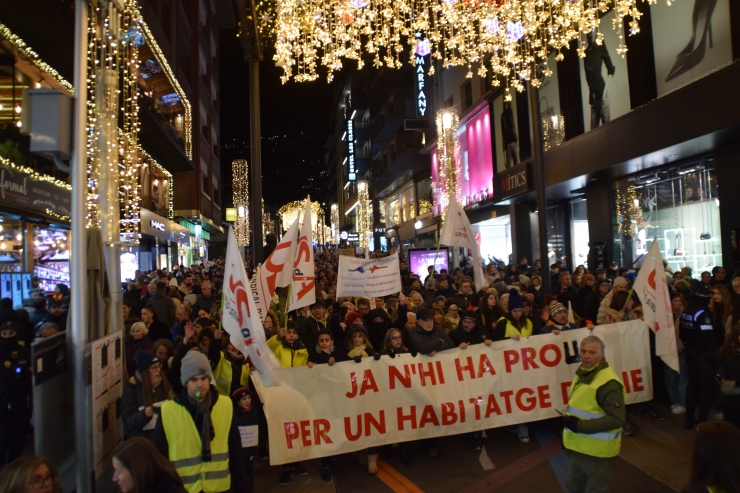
[[25, 51], [364, 215], [510, 38], [240, 171], [448, 157], [133, 10]]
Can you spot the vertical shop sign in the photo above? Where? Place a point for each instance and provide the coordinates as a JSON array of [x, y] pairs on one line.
[[421, 51], [352, 173]]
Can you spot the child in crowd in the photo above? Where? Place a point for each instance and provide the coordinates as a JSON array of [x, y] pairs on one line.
[[325, 353], [290, 352], [247, 418], [358, 347]]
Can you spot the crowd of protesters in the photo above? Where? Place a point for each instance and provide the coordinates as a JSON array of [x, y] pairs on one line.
[[181, 366]]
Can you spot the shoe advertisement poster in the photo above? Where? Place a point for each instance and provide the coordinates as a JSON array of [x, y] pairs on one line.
[[691, 38], [604, 84]]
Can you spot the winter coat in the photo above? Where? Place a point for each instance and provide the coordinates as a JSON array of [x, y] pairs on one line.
[[131, 350], [248, 418], [712, 364], [309, 329], [550, 326], [603, 307], [166, 484], [164, 307], [159, 330], [132, 408], [425, 342], [476, 336], [463, 300], [319, 357], [288, 356]]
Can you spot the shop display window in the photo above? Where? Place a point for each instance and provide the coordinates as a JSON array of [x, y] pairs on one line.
[[11, 245], [51, 257], [679, 209]]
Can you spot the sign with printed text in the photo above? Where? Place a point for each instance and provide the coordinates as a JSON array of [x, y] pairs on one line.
[[330, 410], [368, 277], [513, 181]]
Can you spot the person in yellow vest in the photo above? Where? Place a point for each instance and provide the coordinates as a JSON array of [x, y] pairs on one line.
[[209, 465], [593, 421], [230, 369], [514, 325], [290, 352]]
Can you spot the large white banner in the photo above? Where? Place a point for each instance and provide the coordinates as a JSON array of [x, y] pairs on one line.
[[330, 410], [368, 277]]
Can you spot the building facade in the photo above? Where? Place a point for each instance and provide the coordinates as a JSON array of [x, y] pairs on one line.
[[639, 147]]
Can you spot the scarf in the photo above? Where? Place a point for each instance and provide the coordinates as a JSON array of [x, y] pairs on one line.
[[319, 350], [358, 351], [203, 408]]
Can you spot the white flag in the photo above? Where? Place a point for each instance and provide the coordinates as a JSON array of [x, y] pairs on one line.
[[651, 287], [303, 290], [276, 272], [457, 231], [240, 317]]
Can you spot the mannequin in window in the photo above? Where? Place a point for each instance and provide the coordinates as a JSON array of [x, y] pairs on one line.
[[510, 138], [597, 89]]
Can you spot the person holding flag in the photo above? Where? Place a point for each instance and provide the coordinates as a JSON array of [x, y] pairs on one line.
[[240, 318]]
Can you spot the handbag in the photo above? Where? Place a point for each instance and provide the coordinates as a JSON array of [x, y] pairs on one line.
[[729, 387], [679, 251], [705, 236]]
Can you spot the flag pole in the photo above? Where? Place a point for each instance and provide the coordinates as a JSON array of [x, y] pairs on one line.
[[287, 304], [221, 318]]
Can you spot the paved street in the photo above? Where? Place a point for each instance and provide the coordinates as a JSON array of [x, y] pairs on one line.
[[655, 459]]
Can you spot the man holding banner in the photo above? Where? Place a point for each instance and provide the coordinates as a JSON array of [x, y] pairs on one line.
[[593, 421]]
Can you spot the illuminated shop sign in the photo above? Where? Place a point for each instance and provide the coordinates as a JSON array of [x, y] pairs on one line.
[[421, 51], [352, 171]]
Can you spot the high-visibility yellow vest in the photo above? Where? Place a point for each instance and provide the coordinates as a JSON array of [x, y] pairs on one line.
[[582, 404], [185, 447], [223, 375], [512, 331]]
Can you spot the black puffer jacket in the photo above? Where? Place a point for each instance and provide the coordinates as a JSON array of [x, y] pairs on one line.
[[728, 368], [132, 408], [475, 336]]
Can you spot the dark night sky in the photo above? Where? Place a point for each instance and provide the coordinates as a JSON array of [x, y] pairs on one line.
[[295, 126]]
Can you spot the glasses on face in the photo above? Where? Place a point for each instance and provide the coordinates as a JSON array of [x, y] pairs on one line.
[[38, 482], [395, 338]]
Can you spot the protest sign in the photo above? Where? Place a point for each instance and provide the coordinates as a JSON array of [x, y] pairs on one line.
[[329, 410], [349, 252], [368, 277]]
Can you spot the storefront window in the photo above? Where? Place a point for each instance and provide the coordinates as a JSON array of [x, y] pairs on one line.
[[679, 209], [51, 257], [495, 238], [11, 243], [579, 232], [556, 224]]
